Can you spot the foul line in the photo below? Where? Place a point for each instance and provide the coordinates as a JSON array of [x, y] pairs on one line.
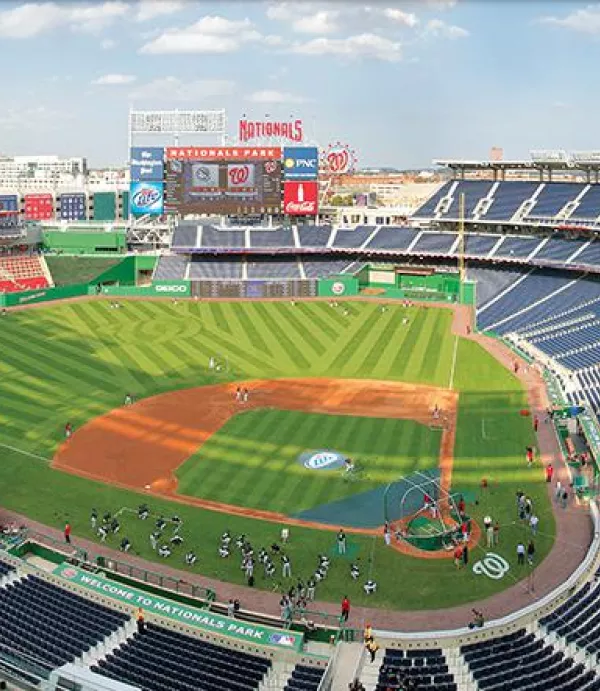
[[451, 384], [26, 453]]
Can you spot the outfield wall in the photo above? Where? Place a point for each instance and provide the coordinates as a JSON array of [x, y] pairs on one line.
[[386, 282]]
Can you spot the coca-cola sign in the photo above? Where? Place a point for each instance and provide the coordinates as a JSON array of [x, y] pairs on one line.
[[301, 198], [338, 159]]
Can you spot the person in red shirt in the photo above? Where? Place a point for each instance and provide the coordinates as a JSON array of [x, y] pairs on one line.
[[68, 533], [458, 556], [345, 608], [549, 472], [68, 430], [461, 506], [536, 423]]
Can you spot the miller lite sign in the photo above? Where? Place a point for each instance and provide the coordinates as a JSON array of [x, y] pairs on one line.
[[301, 198], [291, 130]]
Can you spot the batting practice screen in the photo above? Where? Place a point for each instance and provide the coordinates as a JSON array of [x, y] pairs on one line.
[[212, 183]]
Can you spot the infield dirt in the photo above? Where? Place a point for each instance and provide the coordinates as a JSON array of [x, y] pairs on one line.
[[141, 446]]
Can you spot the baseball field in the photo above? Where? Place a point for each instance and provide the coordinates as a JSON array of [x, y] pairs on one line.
[[353, 380]]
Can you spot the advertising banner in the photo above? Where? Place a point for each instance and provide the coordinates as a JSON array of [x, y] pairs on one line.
[[224, 153], [301, 198], [234, 187], [301, 163], [147, 155], [39, 207], [181, 613], [147, 173], [9, 202], [73, 207], [146, 198]]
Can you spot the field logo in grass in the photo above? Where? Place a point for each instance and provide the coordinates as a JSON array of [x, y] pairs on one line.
[[321, 460], [492, 565], [338, 288]]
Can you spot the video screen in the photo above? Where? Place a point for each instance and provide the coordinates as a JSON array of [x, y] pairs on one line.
[[222, 187]]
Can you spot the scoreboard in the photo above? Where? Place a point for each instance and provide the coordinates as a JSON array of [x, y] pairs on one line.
[[298, 288]]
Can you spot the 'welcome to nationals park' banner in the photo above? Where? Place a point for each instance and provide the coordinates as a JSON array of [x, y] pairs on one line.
[[183, 614], [224, 153]]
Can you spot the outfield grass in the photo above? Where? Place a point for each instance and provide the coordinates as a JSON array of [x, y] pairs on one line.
[[252, 460], [67, 270], [76, 361]]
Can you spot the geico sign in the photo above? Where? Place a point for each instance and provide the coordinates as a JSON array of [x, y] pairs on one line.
[[170, 289]]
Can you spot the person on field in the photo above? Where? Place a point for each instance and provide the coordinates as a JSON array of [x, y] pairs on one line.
[[68, 430], [549, 472], [530, 552], [536, 423], [458, 556], [370, 587], [520, 554], [345, 608], [533, 524], [341, 542], [68, 533]]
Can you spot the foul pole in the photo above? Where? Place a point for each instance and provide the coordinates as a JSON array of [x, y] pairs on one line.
[[461, 246]]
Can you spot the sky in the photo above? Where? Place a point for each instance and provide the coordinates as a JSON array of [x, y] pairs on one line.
[[400, 82]]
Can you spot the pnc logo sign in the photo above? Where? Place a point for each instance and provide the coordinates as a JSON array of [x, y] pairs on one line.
[[321, 460], [301, 162]]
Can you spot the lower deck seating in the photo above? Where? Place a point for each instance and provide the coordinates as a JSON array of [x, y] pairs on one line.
[[51, 625], [427, 668], [304, 679], [19, 273], [522, 661], [160, 659]]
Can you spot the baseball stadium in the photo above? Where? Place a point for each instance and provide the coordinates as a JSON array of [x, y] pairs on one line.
[[252, 438]]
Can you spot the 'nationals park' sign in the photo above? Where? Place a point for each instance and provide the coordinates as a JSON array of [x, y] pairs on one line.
[[181, 613]]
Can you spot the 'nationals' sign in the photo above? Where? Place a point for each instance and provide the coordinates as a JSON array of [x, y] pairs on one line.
[[259, 129], [224, 153]]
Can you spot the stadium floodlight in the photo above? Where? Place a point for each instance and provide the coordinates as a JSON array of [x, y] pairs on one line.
[[588, 157], [176, 123], [549, 156]]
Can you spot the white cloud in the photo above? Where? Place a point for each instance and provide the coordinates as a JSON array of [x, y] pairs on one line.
[[114, 80], [33, 19], [174, 89], [107, 44], [38, 118], [208, 35], [585, 20], [151, 9], [271, 96], [326, 18], [440, 29], [400, 17], [354, 47], [323, 22]]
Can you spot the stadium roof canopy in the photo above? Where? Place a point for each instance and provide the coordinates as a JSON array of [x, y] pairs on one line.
[[540, 160]]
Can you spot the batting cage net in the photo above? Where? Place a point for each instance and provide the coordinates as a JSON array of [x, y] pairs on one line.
[[421, 511]]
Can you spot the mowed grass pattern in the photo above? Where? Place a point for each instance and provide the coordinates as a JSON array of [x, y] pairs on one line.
[[77, 360], [252, 460]]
